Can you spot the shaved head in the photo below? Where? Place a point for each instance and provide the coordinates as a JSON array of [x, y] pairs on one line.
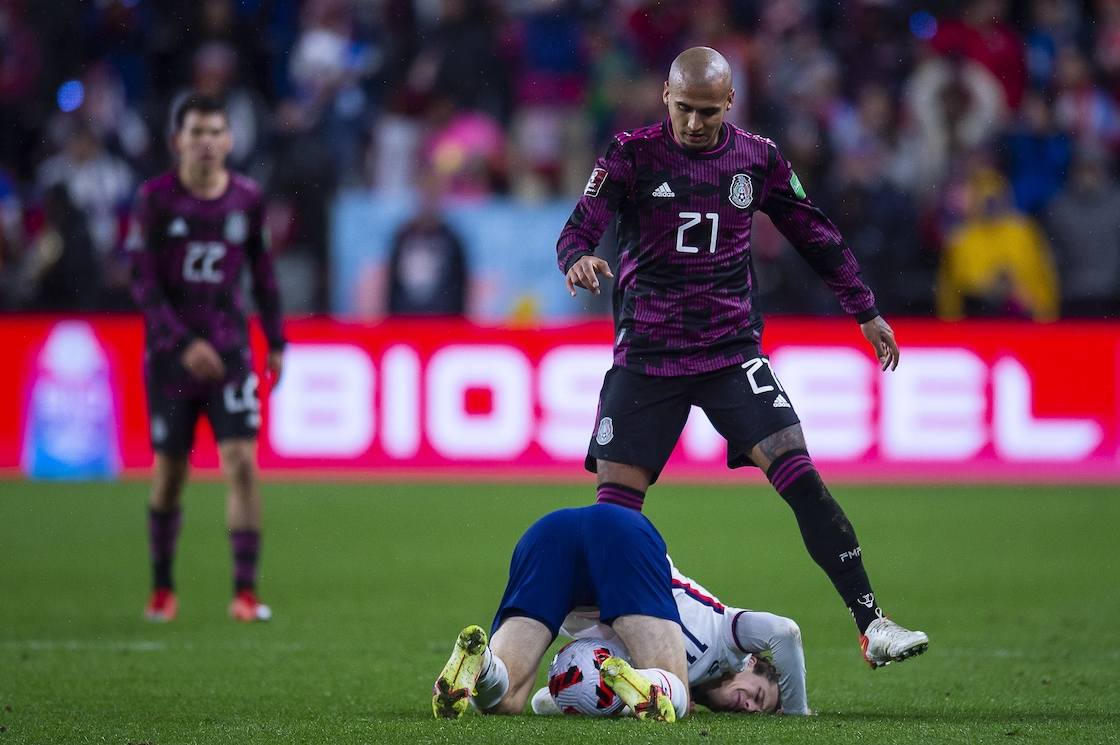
[[700, 67], [698, 94]]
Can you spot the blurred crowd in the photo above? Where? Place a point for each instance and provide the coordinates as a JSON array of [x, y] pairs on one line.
[[967, 150]]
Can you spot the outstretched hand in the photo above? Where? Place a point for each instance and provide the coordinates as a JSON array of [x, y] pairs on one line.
[[881, 335], [582, 274]]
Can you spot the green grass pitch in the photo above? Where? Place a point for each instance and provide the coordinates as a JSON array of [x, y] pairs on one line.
[[1018, 588]]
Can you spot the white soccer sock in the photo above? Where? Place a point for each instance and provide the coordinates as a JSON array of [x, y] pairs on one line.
[[493, 682], [671, 684]]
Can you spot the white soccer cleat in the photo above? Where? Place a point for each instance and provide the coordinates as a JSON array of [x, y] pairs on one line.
[[456, 683], [885, 642], [543, 703]]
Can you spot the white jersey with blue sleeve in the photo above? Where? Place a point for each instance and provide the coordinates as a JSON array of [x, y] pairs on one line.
[[721, 639]]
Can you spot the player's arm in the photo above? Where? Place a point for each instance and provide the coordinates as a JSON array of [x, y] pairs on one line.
[[757, 631], [266, 291], [575, 249], [819, 242], [167, 333]]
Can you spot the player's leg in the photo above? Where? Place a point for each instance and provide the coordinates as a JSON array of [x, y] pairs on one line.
[[627, 565], [832, 542], [165, 517], [235, 417], [536, 600], [172, 423], [640, 419], [748, 406], [243, 520], [517, 648], [656, 648]]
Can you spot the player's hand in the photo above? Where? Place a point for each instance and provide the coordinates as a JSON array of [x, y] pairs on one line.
[[203, 362], [275, 365], [881, 335], [582, 274]]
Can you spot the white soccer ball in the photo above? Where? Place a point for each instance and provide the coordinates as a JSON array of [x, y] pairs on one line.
[[573, 678]]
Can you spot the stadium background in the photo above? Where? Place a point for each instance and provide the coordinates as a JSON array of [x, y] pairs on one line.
[[388, 449], [356, 114]]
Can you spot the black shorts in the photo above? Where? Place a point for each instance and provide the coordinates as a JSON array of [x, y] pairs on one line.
[[641, 417], [234, 413]]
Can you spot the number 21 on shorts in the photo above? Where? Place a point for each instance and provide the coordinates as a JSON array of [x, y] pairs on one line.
[[752, 367]]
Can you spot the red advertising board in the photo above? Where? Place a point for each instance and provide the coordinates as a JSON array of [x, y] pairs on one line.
[[973, 400]]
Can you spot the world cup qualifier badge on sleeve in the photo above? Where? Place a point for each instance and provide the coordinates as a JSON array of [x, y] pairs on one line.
[[595, 183]]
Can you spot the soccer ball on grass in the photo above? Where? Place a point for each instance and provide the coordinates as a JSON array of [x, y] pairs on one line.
[[573, 678]]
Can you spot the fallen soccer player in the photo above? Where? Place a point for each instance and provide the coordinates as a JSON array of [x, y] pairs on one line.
[[723, 647], [603, 556]]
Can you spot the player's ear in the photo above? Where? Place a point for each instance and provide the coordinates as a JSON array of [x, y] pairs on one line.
[[665, 93], [730, 99]]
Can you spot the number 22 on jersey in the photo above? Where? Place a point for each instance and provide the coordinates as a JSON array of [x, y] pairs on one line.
[[201, 262]]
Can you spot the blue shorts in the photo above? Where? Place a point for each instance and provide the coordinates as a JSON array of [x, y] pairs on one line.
[[602, 555]]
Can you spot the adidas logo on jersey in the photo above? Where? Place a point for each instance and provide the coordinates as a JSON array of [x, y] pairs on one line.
[[178, 228], [663, 190], [781, 403]]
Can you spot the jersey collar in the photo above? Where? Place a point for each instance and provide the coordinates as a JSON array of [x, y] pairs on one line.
[[722, 144]]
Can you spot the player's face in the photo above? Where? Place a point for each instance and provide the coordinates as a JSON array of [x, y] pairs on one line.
[[696, 112], [204, 141], [748, 692]]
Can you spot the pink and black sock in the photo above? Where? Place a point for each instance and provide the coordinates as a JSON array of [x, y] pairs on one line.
[[246, 551], [163, 536], [623, 496], [827, 533]]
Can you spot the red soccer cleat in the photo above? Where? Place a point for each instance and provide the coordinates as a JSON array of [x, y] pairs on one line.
[[245, 607], [162, 605]]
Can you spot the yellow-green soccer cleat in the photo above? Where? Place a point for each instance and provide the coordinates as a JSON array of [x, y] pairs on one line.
[[644, 697], [455, 685]]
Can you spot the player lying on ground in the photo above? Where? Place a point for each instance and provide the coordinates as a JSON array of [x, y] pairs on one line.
[[688, 328], [602, 556], [722, 646]]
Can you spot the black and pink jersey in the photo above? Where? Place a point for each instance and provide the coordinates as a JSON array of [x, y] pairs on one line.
[[685, 288], [187, 260]]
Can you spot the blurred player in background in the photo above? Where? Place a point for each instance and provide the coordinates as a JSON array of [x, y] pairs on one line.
[[194, 230], [687, 327], [723, 647], [603, 556]]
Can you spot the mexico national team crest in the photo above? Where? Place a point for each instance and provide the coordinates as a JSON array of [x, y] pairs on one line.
[[606, 431], [236, 229], [742, 191]]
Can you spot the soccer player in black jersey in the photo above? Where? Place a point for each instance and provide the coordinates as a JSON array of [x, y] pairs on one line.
[[688, 329], [193, 231]]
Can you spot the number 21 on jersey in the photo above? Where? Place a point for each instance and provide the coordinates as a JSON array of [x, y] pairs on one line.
[[201, 262], [692, 219]]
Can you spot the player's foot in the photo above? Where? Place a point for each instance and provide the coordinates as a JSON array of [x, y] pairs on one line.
[[885, 642], [644, 697], [162, 605], [455, 685], [544, 704], [245, 607]]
